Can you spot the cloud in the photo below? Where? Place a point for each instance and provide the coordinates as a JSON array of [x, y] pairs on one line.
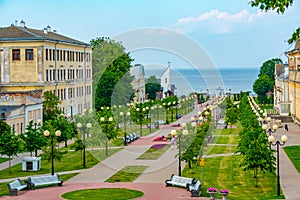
[[219, 22]]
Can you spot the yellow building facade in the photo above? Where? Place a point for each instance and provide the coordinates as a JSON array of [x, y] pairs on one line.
[[294, 81], [44, 60]]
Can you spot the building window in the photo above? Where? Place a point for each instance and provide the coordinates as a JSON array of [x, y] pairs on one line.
[[21, 127], [47, 78], [16, 54], [46, 54], [28, 54], [50, 54]]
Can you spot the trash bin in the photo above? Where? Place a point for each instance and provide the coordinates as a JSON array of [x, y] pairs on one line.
[[31, 163]]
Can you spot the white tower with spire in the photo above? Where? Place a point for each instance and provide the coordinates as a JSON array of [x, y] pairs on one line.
[[165, 80]]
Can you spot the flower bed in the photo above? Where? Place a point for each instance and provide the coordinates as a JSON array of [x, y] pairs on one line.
[[224, 191], [212, 189]]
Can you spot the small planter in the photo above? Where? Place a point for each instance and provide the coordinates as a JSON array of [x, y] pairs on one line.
[[224, 194], [212, 192]]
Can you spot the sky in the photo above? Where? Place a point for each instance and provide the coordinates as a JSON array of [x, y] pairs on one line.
[[231, 32]]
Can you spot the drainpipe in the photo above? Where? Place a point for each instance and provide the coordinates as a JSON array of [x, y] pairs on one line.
[[56, 67], [84, 74], [288, 85]]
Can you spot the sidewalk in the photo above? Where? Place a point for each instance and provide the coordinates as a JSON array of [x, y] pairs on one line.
[[289, 176], [158, 170], [151, 182]]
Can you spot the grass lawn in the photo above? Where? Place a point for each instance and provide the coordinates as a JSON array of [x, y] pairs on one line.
[[4, 188], [127, 174], [70, 161], [220, 149], [225, 173], [3, 160], [103, 194], [294, 156], [225, 139], [154, 152], [229, 131]]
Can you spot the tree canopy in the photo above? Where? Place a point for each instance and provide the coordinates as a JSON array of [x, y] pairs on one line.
[[50, 106], [111, 66], [152, 87], [266, 81], [280, 6]]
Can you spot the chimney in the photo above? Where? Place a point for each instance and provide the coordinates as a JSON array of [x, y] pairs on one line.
[[45, 31], [48, 28], [22, 24], [54, 31]]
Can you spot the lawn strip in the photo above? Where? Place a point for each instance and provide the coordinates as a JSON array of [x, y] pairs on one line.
[[294, 156], [154, 152], [70, 161], [127, 174]]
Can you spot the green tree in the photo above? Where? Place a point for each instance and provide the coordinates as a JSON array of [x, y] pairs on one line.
[[109, 80], [253, 144], [10, 144], [231, 115], [138, 114], [105, 51], [50, 106], [50, 126], [108, 125], [280, 6], [152, 87], [268, 68], [67, 128], [33, 138], [262, 86]]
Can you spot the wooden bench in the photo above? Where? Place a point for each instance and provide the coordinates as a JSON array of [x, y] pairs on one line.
[[44, 180], [16, 186], [179, 181], [195, 188]]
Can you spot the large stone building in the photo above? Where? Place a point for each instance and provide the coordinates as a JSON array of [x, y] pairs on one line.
[[44, 60], [287, 85], [294, 81], [138, 83], [281, 98]]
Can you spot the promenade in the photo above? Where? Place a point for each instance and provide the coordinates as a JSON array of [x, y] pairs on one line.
[[151, 181]]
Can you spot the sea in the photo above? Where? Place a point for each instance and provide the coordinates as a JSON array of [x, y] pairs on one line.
[[187, 80]]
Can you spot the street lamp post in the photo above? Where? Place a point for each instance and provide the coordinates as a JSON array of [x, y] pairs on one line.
[[110, 119], [36, 125], [271, 139], [88, 126], [47, 133], [268, 129], [125, 121], [173, 133]]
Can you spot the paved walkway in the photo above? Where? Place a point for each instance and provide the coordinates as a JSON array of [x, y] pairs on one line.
[[151, 182], [289, 177]]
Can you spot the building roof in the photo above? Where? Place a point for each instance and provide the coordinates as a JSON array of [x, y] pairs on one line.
[[137, 71], [18, 33]]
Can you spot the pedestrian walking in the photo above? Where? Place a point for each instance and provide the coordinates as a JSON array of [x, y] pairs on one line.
[[286, 128], [173, 142]]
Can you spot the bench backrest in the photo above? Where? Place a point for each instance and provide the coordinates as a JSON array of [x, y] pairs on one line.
[[15, 184], [44, 179], [180, 179], [197, 184]]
